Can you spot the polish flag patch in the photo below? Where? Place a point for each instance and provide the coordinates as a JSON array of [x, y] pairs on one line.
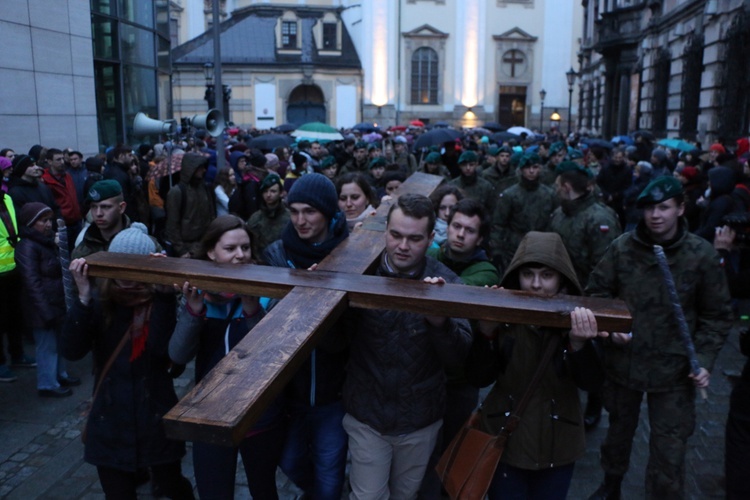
[[604, 228]]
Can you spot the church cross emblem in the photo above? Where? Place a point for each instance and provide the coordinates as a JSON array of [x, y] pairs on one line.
[[513, 57], [224, 406]]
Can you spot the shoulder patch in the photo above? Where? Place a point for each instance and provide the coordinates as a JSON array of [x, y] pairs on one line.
[[604, 228]]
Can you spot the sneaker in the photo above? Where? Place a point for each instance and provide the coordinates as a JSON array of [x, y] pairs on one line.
[[69, 381], [6, 374], [24, 362], [59, 392]]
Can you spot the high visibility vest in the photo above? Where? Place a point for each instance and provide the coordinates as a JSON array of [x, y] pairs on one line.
[[7, 252]]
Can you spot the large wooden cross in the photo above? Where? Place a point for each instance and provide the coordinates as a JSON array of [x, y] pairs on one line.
[[226, 403]]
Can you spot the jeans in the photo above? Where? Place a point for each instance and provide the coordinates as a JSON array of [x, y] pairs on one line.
[[215, 466], [12, 325], [50, 364], [314, 457], [512, 483]]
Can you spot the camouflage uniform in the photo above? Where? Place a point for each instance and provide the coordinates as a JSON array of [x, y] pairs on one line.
[[266, 226], [481, 190], [521, 208], [407, 162], [586, 228], [500, 180], [353, 166], [655, 361]]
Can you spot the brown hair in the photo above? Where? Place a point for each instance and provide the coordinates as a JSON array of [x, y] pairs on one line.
[[216, 229]]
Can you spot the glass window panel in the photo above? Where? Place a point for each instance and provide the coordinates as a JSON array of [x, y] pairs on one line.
[[162, 17], [103, 34], [139, 91], [102, 7], [107, 103], [137, 45], [137, 11], [163, 56]]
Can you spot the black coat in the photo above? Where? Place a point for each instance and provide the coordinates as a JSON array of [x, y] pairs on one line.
[[42, 294], [23, 192], [124, 429]]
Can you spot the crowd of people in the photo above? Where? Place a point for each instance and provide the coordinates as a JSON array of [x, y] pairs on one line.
[[388, 389]]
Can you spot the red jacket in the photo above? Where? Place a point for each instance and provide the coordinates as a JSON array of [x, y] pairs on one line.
[[64, 191]]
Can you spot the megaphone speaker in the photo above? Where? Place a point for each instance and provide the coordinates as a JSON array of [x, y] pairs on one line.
[[143, 125], [213, 122]]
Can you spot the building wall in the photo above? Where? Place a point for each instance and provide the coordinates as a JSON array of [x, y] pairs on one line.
[[46, 68]]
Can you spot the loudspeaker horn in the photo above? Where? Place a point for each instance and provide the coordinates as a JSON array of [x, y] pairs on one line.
[[143, 125], [213, 122]]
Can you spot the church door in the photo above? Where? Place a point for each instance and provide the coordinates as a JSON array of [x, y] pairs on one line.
[[306, 104]]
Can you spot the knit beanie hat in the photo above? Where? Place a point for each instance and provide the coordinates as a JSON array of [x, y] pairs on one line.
[[316, 190], [5, 164], [94, 164], [298, 162], [272, 161], [31, 212], [20, 164], [133, 240], [659, 154], [35, 151]]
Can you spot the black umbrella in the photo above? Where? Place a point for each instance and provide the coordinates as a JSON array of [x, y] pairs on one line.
[[366, 127], [597, 143], [504, 136], [440, 124], [436, 137], [646, 134], [286, 127], [494, 126], [271, 141]]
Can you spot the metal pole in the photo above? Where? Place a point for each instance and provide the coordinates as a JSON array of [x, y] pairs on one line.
[[217, 77], [570, 107], [541, 118]]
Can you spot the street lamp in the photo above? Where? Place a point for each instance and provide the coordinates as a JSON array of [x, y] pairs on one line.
[[542, 95], [571, 76], [555, 118], [210, 95]]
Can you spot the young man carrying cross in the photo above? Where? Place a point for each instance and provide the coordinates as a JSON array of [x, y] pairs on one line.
[[394, 394]]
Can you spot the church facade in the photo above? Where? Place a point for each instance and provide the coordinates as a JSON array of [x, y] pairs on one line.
[[386, 61]]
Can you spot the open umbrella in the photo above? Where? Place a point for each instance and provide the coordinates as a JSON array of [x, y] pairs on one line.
[[286, 127], [271, 141], [366, 127], [162, 168], [521, 130], [646, 134], [416, 123], [436, 137], [317, 131], [504, 136], [440, 124], [677, 144], [494, 126], [398, 128], [597, 143], [622, 138]]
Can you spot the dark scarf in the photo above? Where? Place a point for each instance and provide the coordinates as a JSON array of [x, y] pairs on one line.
[[569, 206], [304, 254], [469, 181], [140, 299]]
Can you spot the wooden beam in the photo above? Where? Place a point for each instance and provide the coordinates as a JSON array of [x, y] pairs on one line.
[[368, 292]]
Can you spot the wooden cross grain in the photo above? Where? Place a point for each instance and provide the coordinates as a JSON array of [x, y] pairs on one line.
[[235, 393]]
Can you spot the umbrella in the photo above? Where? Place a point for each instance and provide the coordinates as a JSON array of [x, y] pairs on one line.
[[622, 138], [436, 137], [366, 127], [286, 127], [416, 123], [372, 137], [678, 144], [271, 141], [646, 134], [521, 130], [597, 143], [160, 169], [494, 126], [64, 255], [482, 130], [399, 128], [504, 136], [317, 131], [440, 124]]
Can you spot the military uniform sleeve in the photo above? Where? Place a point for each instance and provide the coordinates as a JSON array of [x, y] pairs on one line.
[[603, 233], [603, 281], [500, 223], [714, 312]]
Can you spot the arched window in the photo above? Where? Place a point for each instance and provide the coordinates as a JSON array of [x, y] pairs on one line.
[[424, 76]]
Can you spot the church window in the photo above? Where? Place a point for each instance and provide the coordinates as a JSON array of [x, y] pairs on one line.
[[424, 76]]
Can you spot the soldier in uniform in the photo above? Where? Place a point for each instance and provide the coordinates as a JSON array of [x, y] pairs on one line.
[[654, 361], [501, 175], [557, 153], [267, 223], [586, 228], [359, 163], [433, 164], [403, 158], [471, 184], [521, 208]]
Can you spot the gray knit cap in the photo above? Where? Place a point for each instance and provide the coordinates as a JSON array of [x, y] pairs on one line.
[[134, 240]]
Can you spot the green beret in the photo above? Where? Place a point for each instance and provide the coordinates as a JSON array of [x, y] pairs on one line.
[[468, 157], [373, 145], [360, 145], [515, 159], [433, 157], [378, 162], [574, 154], [505, 149], [658, 190], [528, 160], [103, 190], [556, 147], [327, 162], [571, 166], [269, 181], [493, 151]]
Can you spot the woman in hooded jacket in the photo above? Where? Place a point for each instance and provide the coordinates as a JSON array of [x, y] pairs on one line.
[[539, 456]]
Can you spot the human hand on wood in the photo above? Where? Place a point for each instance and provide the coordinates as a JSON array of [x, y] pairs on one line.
[[436, 321], [193, 296], [583, 327], [701, 379], [80, 272], [489, 328]]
